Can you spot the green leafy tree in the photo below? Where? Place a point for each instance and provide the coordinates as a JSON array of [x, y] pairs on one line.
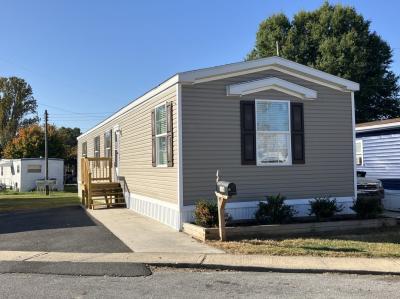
[[29, 143], [68, 136], [338, 40], [17, 107]]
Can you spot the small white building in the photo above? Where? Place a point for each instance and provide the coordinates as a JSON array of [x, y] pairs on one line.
[[23, 174]]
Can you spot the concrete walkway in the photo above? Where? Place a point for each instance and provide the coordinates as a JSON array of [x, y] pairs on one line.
[[296, 264], [142, 234]]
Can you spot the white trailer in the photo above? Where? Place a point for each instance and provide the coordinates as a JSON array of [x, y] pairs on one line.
[[23, 174]]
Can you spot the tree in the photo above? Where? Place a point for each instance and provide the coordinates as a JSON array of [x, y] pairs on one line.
[[68, 136], [17, 107], [29, 143], [338, 40]]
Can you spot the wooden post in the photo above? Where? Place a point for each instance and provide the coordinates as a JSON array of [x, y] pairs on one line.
[[222, 199], [89, 191]]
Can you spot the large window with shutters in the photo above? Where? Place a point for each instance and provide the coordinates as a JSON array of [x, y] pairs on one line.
[[272, 132], [273, 142], [161, 135]]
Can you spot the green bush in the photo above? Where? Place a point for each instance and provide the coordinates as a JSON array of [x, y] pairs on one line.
[[367, 206], [324, 207], [274, 211], [206, 214]]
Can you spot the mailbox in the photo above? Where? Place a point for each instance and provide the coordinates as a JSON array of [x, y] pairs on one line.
[[226, 188]]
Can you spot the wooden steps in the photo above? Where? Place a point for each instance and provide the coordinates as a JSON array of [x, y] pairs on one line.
[[107, 194], [98, 189]]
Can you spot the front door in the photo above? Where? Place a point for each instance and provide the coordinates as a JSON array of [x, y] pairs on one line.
[[117, 137]]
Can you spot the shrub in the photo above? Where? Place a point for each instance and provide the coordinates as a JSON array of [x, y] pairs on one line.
[[367, 206], [324, 207], [206, 214], [274, 211]]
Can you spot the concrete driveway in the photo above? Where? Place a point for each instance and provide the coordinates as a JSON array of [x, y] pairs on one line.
[[142, 234], [63, 229]]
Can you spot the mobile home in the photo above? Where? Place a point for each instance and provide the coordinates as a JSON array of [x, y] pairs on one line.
[[378, 154], [269, 125], [24, 174]]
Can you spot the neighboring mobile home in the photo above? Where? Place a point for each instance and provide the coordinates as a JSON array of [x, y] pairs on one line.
[[269, 125], [24, 174], [378, 154]]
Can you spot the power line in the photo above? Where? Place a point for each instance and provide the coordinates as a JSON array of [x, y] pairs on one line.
[[72, 112]]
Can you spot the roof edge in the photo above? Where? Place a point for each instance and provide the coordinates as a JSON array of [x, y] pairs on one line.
[[378, 127], [209, 74]]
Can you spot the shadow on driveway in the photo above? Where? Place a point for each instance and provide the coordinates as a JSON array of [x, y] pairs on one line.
[[63, 229]]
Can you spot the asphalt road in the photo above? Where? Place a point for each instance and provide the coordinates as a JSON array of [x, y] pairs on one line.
[[65, 229], [76, 269], [200, 285]]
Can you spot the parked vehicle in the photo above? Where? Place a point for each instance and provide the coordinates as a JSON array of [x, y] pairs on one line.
[[367, 186]]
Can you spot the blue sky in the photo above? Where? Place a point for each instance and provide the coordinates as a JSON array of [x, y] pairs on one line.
[[96, 56]]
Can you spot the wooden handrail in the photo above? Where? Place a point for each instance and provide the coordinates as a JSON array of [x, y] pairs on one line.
[[97, 159], [94, 169]]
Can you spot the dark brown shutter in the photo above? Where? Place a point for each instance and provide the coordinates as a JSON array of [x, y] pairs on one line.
[[297, 130], [153, 138], [248, 132], [170, 157]]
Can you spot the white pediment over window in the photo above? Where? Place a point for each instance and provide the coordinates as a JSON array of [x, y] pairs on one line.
[[274, 83]]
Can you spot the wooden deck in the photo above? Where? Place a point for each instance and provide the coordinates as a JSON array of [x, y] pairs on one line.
[[98, 188]]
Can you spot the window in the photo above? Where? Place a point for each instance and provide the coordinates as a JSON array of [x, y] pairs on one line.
[[97, 147], [108, 144], [84, 149], [273, 133], [1, 170], [17, 168], [161, 135], [359, 152], [34, 168]]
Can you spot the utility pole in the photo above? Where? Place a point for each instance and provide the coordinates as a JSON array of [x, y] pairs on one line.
[[46, 156]]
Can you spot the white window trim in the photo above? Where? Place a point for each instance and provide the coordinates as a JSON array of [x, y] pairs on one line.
[[111, 141], [160, 135], [284, 86], [94, 149], [362, 152], [289, 162]]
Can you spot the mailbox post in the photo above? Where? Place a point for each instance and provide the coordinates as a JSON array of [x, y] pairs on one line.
[[224, 190]]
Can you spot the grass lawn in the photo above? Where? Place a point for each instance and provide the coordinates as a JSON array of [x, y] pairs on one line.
[[12, 201], [383, 242]]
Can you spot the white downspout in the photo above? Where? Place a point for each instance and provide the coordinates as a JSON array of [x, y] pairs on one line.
[[354, 143]]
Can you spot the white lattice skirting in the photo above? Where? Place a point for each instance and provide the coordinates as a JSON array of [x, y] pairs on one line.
[[159, 210], [168, 213]]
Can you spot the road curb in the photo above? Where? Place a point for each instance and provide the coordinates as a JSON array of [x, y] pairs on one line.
[[222, 267], [228, 262]]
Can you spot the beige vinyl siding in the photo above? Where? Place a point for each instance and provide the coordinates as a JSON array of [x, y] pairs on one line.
[[211, 141], [136, 152]]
